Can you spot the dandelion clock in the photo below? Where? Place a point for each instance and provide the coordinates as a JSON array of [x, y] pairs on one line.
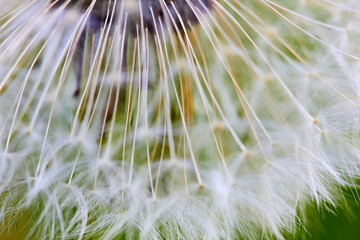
[[182, 119]]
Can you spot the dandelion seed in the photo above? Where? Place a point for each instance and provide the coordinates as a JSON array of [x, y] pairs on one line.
[[191, 119]]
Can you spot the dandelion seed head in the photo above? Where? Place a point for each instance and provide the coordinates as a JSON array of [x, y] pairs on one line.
[[175, 119]]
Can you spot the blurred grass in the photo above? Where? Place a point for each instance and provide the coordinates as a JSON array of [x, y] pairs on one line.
[[341, 223], [343, 226]]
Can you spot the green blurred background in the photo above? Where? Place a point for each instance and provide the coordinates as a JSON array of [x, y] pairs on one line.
[[341, 223]]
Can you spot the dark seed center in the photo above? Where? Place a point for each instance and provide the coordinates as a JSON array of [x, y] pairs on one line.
[[146, 13]]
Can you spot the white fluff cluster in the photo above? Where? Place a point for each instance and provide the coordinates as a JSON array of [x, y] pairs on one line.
[[221, 129]]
